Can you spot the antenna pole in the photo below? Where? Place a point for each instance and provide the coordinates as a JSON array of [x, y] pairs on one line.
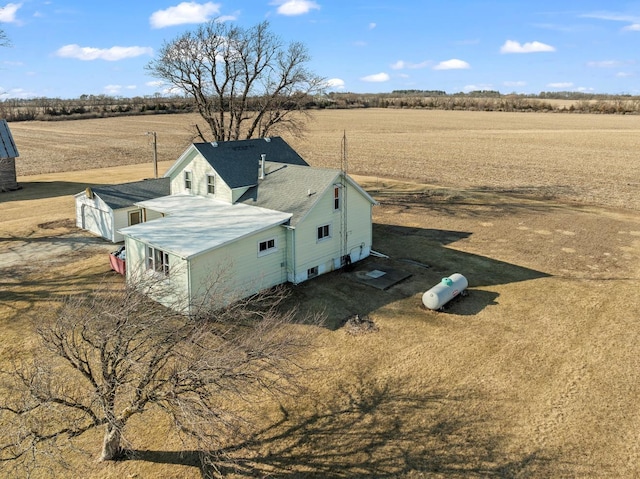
[[344, 237], [155, 152]]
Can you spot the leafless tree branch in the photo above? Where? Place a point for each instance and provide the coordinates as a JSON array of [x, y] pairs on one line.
[[245, 82]]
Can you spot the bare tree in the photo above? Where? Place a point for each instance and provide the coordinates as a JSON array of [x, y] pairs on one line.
[[4, 40], [245, 82], [114, 355]]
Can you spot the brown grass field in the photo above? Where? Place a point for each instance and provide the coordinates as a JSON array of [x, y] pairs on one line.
[[535, 374]]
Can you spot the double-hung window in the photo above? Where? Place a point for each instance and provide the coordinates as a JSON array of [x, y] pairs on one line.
[[267, 246], [324, 232], [187, 180], [157, 261], [337, 197], [211, 184]]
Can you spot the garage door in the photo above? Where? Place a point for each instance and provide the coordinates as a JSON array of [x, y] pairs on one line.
[[97, 221]]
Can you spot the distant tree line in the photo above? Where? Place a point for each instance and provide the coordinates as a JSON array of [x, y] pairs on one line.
[[101, 106], [89, 106]]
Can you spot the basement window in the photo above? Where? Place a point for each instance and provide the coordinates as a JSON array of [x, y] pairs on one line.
[[157, 261], [267, 246], [312, 272]]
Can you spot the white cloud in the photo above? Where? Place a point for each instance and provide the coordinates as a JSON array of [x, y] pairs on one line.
[[8, 12], [109, 54], [566, 84], [16, 93], [376, 78], [372, 25], [335, 84], [632, 28], [453, 64], [401, 64], [511, 46], [604, 64], [295, 7], [624, 75], [483, 86], [515, 83], [185, 12], [612, 16]]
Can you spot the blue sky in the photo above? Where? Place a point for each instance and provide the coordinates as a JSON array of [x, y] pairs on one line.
[[66, 48]]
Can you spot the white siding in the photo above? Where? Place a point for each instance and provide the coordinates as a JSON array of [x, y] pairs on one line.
[[326, 253], [199, 168], [94, 216], [171, 291], [237, 270]]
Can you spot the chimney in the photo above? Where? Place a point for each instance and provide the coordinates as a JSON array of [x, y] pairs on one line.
[[262, 160]]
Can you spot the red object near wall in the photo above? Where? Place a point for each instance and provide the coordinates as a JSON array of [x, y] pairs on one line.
[[117, 264]]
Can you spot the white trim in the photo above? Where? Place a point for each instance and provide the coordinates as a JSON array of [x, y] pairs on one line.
[[268, 250], [212, 184], [328, 236]]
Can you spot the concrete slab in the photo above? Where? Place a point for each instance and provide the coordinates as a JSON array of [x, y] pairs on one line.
[[380, 276]]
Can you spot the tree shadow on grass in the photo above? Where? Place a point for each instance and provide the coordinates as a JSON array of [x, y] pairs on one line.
[[371, 430]]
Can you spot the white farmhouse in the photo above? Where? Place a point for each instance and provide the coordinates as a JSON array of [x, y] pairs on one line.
[[251, 212]]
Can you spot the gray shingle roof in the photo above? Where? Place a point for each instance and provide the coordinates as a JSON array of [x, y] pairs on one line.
[[290, 188], [237, 162], [7, 145], [126, 194]]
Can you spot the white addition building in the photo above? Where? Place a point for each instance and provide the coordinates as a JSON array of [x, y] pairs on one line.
[[248, 214]]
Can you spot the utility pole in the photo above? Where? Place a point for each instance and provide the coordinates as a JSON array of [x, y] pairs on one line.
[[155, 152]]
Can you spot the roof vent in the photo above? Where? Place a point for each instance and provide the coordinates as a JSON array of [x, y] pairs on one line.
[[267, 139], [214, 143]]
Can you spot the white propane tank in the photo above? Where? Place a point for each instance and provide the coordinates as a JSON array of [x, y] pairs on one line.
[[445, 291]]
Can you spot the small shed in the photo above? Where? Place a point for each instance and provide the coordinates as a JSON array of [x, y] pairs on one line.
[[103, 210], [8, 155]]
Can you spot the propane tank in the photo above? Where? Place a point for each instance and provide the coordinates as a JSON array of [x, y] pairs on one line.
[[445, 291]]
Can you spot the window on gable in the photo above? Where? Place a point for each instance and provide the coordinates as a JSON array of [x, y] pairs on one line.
[[337, 196], [324, 232], [187, 180], [211, 184], [157, 261], [267, 246]]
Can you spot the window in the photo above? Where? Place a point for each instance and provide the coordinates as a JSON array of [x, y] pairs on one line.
[[312, 272], [187, 180], [135, 217], [211, 184], [324, 232], [267, 246], [157, 261], [336, 197]]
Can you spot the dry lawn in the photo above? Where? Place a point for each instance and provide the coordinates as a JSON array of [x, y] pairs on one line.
[[534, 374]]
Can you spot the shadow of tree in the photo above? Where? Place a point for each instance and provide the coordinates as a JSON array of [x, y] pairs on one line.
[[369, 430]]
